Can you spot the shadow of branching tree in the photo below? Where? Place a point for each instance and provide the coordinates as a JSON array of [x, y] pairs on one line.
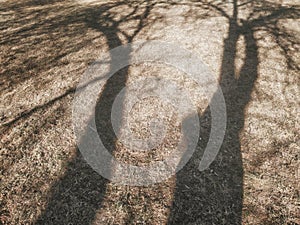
[[37, 36], [89, 189], [215, 196], [44, 33]]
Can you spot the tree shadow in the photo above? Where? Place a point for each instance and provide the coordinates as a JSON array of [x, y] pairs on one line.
[[215, 196], [79, 194]]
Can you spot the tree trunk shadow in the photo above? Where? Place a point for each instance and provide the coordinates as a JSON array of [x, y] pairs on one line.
[[79, 194], [215, 196]]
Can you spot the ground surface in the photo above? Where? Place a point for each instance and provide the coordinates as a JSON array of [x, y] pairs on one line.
[[252, 46]]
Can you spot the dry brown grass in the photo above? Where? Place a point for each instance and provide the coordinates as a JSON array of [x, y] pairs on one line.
[[47, 45]]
